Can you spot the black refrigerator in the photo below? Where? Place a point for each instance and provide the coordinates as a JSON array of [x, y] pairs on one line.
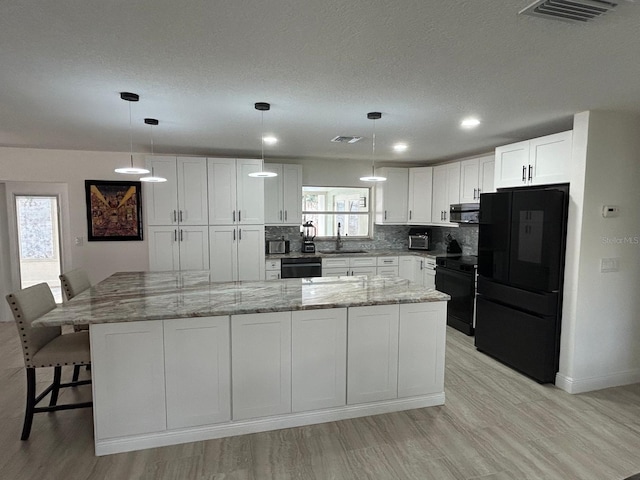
[[521, 245]]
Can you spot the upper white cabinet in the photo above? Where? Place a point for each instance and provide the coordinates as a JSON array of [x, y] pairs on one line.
[[283, 194], [234, 196], [476, 177], [446, 191], [391, 196], [182, 199], [420, 184], [539, 161], [179, 247]]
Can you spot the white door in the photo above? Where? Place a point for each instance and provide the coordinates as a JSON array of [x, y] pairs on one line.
[[223, 253], [198, 371], [487, 174], [439, 194], [273, 195], [406, 268], [421, 342], [192, 191], [161, 199], [512, 163], [453, 187], [318, 359], [127, 366], [38, 230], [392, 196], [251, 252], [194, 247], [261, 359], [420, 184], [550, 158], [372, 354], [164, 253], [250, 192], [292, 194], [221, 179], [469, 174]]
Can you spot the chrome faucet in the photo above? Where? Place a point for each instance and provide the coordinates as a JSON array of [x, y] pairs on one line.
[[338, 239]]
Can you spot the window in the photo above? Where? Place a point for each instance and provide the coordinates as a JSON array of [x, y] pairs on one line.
[[328, 206]]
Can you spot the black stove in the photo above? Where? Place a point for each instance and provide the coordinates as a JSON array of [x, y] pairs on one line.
[[456, 276]]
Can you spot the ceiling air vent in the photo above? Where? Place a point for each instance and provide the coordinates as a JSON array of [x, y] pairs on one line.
[[346, 139], [574, 11]]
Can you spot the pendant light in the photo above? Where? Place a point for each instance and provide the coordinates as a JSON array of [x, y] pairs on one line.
[[373, 177], [262, 107], [131, 170], [152, 178]]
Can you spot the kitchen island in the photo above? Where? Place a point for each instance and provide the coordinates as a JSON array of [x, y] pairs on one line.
[[176, 358]]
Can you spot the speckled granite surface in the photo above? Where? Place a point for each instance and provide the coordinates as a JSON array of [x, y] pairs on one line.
[[135, 296], [347, 252]]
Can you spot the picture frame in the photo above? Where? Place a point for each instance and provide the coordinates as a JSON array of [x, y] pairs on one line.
[[114, 210]]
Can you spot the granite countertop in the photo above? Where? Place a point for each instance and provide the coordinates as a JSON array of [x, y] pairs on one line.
[[346, 252], [136, 296]]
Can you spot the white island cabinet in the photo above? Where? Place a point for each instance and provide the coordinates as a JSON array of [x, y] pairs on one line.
[[186, 359]]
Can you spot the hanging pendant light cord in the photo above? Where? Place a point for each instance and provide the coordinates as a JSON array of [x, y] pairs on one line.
[[373, 153], [262, 137], [130, 136]]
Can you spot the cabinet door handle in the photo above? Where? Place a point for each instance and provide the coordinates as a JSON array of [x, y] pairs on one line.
[[234, 216], [180, 216], [421, 262], [530, 172], [175, 235], [181, 237], [285, 215], [234, 234], [474, 193], [524, 173], [239, 234], [239, 215], [445, 215], [280, 214], [175, 216], [479, 192], [409, 214], [385, 214]]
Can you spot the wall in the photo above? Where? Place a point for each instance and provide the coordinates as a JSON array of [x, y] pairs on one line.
[[100, 259], [5, 269], [601, 311]]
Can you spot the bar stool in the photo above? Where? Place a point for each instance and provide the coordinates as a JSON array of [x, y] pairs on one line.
[[73, 283], [46, 347]]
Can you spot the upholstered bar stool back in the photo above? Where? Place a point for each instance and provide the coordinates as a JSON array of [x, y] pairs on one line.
[[74, 282], [45, 347]]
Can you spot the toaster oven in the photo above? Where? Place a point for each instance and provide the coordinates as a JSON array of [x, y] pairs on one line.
[[277, 246], [419, 238]]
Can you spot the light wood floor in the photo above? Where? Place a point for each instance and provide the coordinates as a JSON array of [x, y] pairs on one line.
[[496, 425]]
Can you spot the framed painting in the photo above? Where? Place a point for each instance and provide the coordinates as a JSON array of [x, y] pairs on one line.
[[114, 210]]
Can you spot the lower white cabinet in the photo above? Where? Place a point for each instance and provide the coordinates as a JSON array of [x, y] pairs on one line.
[[421, 340], [318, 359], [198, 371], [184, 247], [261, 358], [128, 378], [372, 357], [236, 252], [349, 266], [416, 269]]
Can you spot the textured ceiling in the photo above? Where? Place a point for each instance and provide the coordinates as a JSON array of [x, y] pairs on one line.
[[200, 65]]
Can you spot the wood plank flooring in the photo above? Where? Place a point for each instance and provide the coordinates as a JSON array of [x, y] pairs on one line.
[[496, 425]]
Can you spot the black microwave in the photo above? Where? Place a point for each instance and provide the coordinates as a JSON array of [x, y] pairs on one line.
[[465, 213]]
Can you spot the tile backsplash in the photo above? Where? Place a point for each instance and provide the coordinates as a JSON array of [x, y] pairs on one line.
[[385, 237]]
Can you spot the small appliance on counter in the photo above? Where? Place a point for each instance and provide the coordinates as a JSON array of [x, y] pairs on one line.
[[277, 246], [452, 245], [464, 213], [308, 234], [419, 239]]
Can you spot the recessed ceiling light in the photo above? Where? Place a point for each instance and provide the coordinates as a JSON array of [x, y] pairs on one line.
[[470, 122], [270, 140], [400, 147]]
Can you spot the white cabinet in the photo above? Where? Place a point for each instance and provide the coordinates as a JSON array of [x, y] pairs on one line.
[[318, 359], [130, 394], [388, 266], [540, 161], [283, 194], [236, 252], [272, 269], [178, 248], [446, 191], [198, 371], [420, 196], [261, 359], [349, 266], [392, 196], [234, 196], [182, 199], [418, 270], [372, 358], [421, 340], [476, 177]]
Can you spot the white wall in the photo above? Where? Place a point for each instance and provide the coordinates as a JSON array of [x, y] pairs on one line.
[[335, 173], [100, 259], [601, 311]]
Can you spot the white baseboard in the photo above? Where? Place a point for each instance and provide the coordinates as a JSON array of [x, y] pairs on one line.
[[209, 432], [582, 385]]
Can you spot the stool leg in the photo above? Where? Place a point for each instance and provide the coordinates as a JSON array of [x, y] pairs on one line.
[[31, 403], [57, 374], [76, 373]]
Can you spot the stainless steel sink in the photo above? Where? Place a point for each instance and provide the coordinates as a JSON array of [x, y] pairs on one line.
[[335, 252]]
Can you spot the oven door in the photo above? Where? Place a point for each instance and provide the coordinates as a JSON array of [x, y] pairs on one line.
[[461, 287], [300, 269]]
